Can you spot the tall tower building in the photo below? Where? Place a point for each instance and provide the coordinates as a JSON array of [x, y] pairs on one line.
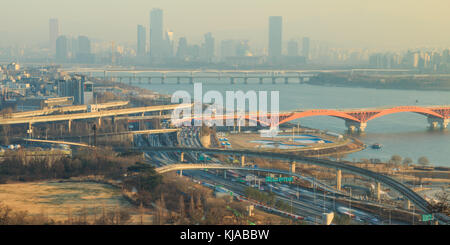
[[62, 51], [156, 33], [208, 47], [53, 34], [292, 49], [305, 48], [141, 41], [275, 36], [84, 50]]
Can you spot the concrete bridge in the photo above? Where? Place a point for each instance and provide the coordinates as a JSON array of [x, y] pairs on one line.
[[64, 109], [89, 115]]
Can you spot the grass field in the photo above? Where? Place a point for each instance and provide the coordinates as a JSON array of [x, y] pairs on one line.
[[59, 199]]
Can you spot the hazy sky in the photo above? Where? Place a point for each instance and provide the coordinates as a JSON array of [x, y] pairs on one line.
[[383, 23]]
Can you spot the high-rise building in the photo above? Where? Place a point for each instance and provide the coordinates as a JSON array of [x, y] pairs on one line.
[[53, 34], [227, 48], [84, 50], [208, 47], [292, 49], [77, 87], [141, 41], [156, 34], [168, 47], [61, 49], [305, 48], [275, 36], [182, 50]]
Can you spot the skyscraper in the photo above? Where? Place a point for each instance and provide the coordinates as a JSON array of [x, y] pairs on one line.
[[53, 34], [182, 50], [275, 36], [305, 47], [141, 41], [84, 50], [168, 44], [208, 47], [61, 49], [292, 49], [156, 33]]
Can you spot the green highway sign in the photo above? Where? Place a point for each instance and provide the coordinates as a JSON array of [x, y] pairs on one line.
[[427, 217]]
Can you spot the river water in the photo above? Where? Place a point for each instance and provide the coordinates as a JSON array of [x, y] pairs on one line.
[[405, 134]]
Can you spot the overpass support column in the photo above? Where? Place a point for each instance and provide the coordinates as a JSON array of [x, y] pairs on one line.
[[286, 80], [407, 204], [242, 160], [293, 167], [261, 80], [231, 80], [378, 191], [182, 157], [181, 172], [178, 80], [338, 179], [245, 80], [30, 130], [69, 127], [99, 122]]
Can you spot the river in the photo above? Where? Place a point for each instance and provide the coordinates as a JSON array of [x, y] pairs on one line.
[[405, 134]]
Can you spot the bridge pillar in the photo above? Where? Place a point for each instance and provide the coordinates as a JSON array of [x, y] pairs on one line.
[[242, 160], [231, 80], [178, 80], [162, 80], [149, 80], [30, 130], [99, 122], [181, 172], [261, 80], [191, 80], [293, 167], [245, 80], [441, 122], [69, 126], [378, 191], [274, 79], [353, 126], [338, 179], [407, 204], [286, 80], [182, 157]]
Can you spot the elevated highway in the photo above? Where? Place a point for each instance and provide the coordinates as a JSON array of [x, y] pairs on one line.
[[64, 109], [193, 166], [88, 115], [416, 199]]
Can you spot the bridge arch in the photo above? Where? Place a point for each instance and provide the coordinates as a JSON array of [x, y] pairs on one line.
[[319, 112], [415, 109]]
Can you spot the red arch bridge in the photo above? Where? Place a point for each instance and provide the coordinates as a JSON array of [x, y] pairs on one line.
[[355, 119]]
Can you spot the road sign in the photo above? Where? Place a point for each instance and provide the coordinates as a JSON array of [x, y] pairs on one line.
[[427, 217]]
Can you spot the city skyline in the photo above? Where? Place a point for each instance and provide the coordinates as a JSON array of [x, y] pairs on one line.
[[366, 27]]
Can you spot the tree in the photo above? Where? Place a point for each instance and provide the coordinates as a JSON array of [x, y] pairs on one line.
[[396, 159], [423, 161], [407, 161]]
